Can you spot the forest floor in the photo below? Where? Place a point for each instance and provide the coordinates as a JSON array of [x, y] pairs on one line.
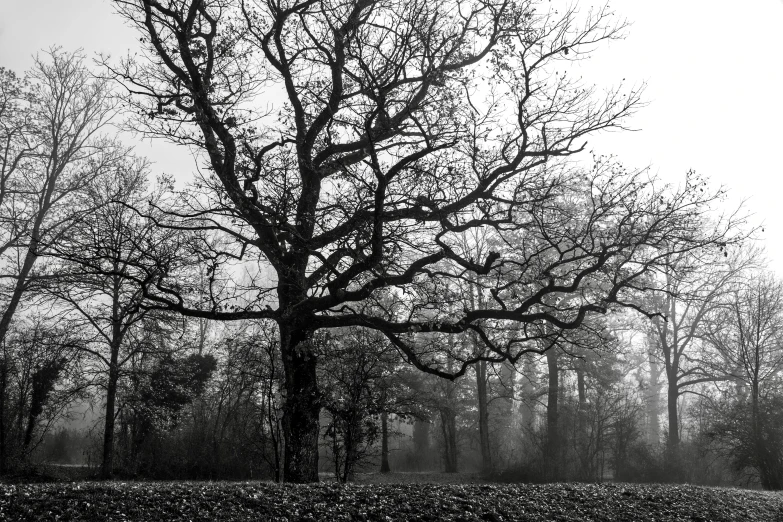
[[412, 501]]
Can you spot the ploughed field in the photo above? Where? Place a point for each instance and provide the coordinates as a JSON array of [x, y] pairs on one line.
[[212, 501]]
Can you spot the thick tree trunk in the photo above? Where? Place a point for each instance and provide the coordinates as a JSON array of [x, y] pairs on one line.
[[483, 415], [448, 420], [351, 444], [552, 450], [302, 405], [385, 443], [421, 444]]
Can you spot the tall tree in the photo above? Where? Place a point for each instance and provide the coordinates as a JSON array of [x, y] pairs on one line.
[[52, 147], [750, 342], [349, 145], [691, 296], [101, 255]]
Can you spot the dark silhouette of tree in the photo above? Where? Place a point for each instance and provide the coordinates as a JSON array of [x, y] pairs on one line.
[[52, 147], [348, 146], [99, 257], [39, 377]]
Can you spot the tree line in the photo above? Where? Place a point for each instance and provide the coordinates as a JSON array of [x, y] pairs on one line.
[[388, 221]]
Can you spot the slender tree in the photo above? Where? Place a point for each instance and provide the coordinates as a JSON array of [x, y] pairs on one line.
[[99, 256], [691, 298], [750, 343], [52, 147]]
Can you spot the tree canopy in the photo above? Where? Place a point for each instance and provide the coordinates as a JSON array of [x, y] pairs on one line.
[[348, 147]]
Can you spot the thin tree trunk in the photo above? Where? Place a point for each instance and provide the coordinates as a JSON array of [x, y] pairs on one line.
[[274, 431], [552, 454], [448, 417], [107, 466], [674, 424], [526, 412], [483, 415], [3, 387], [582, 395], [20, 286], [351, 448], [507, 400], [385, 443], [653, 402]]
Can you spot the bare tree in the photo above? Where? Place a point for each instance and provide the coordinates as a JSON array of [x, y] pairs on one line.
[[691, 298], [51, 150], [750, 341], [347, 147], [100, 255]]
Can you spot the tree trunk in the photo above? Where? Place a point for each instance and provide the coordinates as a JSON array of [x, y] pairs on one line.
[[483, 415], [448, 420], [107, 466], [552, 451], [506, 415], [766, 455], [274, 430], [385, 443], [351, 443], [674, 424], [653, 403], [421, 444], [3, 387], [302, 405], [526, 411], [673, 441], [20, 286], [582, 394]]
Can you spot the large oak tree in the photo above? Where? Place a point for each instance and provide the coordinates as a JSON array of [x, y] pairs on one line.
[[348, 145]]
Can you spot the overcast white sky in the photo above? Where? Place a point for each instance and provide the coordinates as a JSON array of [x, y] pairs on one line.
[[714, 70]]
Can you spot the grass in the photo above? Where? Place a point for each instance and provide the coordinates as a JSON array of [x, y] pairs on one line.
[[216, 501]]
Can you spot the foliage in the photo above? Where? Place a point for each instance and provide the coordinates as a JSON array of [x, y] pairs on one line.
[[176, 382], [408, 502]]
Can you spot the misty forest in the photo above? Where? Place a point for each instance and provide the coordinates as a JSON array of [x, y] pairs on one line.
[[396, 255]]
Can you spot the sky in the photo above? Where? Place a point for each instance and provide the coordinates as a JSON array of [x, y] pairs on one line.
[[713, 68]]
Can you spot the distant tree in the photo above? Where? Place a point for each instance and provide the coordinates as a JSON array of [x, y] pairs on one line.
[[99, 258], [690, 298], [750, 342], [354, 395], [348, 147], [39, 377], [158, 391]]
